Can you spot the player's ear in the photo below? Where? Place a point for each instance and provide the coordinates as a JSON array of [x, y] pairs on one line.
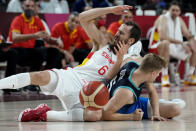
[[153, 73], [131, 41]]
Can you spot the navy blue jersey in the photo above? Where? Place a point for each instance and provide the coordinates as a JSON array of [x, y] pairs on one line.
[[124, 80]]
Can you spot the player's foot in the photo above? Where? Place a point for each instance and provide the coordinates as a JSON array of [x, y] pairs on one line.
[[165, 81], [190, 80], [28, 115], [37, 114], [42, 109]]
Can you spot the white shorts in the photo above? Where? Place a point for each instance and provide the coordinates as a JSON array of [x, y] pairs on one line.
[[67, 88], [177, 51]]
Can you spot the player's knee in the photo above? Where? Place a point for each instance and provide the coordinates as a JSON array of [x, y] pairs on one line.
[[175, 109], [166, 43], [41, 77]]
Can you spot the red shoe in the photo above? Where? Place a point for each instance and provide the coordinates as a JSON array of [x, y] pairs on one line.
[[38, 114], [42, 109], [28, 115]]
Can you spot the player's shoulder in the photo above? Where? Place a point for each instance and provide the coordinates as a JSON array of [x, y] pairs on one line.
[[133, 59], [18, 18], [115, 23], [59, 25]]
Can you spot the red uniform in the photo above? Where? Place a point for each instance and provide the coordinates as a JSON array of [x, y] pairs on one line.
[[83, 39], [113, 27], [61, 30], [22, 25]]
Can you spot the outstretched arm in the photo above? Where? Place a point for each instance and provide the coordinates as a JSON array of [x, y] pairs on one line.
[[121, 97], [92, 31], [122, 50], [154, 101]]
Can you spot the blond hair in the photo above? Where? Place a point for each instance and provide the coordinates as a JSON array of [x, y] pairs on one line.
[[152, 62]]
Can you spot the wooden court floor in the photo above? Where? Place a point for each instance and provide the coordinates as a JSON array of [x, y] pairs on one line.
[[185, 122]]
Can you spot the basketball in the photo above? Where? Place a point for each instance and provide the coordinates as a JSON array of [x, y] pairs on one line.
[[94, 95]]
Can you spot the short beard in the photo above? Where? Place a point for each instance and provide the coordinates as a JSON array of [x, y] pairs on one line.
[[114, 43]]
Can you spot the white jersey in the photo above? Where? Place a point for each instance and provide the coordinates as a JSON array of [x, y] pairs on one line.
[[70, 81], [97, 66]]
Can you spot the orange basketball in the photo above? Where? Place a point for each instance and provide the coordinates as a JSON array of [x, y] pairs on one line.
[[94, 95]]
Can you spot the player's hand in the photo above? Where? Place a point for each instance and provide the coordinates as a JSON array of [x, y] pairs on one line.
[[138, 114], [187, 48], [121, 51], [157, 118], [121, 9], [69, 57], [42, 34]]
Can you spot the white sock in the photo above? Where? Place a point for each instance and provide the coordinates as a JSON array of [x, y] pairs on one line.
[[179, 102], [71, 115], [165, 71], [191, 70], [187, 66], [15, 81]]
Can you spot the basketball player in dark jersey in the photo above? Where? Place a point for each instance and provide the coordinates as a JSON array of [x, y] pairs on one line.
[[125, 102]]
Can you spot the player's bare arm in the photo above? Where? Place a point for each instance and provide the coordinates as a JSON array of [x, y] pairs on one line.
[[122, 50], [92, 31], [188, 35], [18, 37], [154, 101], [185, 30], [121, 97]]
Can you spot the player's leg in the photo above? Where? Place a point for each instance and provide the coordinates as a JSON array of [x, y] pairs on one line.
[[163, 51], [44, 113], [41, 78], [168, 109], [191, 78], [75, 114]]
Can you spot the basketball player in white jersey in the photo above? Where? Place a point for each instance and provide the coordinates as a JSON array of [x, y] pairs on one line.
[[66, 84]]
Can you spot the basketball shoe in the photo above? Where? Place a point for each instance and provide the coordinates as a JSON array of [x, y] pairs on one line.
[[190, 80], [37, 114], [165, 81]]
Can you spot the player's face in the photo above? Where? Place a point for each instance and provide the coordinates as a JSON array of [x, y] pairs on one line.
[[29, 4], [154, 75], [73, 22], [127, 17], [122, 34], [174, 11]]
